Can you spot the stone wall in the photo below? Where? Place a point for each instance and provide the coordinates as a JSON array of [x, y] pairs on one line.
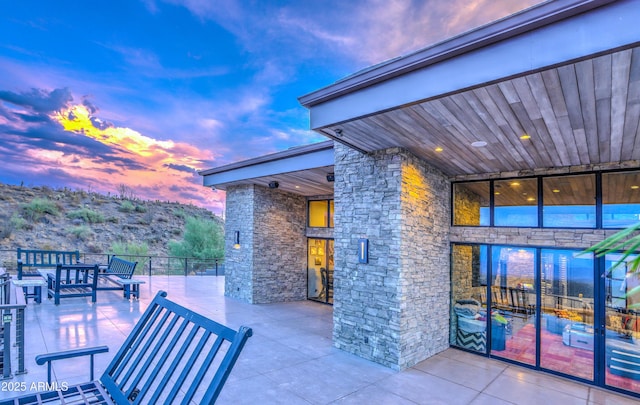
[[280, 246], [238, 281], [270, 265], [395, 309], [563, 238]]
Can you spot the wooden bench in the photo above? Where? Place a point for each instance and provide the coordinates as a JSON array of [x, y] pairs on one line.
[[72, 280], [114, 275], [130, 286], [173, 355], [29, 260]]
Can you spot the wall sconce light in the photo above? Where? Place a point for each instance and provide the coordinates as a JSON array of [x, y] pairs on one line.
[[331, 177], [236, 240], [363, 250], [274, 184]]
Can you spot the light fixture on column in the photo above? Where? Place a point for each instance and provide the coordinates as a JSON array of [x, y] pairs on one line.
[[236, 240], [331, 177], [274, 184]]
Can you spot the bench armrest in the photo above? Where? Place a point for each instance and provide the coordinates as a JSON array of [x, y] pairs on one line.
[[69, 354]]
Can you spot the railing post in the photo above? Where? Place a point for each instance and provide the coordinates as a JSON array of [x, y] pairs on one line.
[[6, 358], [216, 267], [20, 340], [186, 263], [149, 266]]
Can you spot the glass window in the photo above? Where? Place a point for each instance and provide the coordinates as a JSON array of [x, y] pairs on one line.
[[319, 214], [567, 297], [513, 303], [471, 203], [331, 209], [569, 201], [620, 199], [516, 202], [468, 293]]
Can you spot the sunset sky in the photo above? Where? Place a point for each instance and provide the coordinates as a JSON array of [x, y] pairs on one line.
[[143, 93]]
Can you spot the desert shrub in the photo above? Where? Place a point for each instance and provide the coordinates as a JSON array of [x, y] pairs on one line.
[[81, 232], [19, 223], [5, 229], [88, 215], [126, 206], [140, 208], [179, 212], [39, 207], [135, 252], [202, 238]]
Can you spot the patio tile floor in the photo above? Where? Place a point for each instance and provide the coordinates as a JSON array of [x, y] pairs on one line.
[[290, 359]]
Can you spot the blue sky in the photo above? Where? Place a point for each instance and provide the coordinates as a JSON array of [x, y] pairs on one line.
[[96, 95]]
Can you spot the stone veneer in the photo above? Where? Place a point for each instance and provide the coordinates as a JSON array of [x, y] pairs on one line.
[[393, 310], [562, 238], [270, 265]]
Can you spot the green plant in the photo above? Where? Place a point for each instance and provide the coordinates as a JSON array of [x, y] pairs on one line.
[[136, 252], [126, 206], [39, 207], [140, 208], [88, 215], [626, 241], [81, 232], [19, 222], [202, 239]]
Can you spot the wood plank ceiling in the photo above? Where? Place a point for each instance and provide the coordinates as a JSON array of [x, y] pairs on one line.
[[310, 182], [578, 114]]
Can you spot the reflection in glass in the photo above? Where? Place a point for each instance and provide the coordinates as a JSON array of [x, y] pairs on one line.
[[516, 202], [567, 296], [320, 269], [471, 203], [513, 300], [569, 201], [468, 292], [620, 199], [622, 337]]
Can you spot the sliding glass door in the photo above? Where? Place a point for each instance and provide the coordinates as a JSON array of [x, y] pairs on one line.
[[558, 310], [567, 336]]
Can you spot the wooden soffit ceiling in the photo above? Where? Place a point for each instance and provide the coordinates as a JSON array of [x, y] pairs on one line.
[[581, 113]]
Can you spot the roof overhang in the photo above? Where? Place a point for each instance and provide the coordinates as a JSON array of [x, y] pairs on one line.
[[301, 170], [566, 72]]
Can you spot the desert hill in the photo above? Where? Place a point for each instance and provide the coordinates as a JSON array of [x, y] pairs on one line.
[[63, 219]]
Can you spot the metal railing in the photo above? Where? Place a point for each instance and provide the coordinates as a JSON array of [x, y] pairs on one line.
[[147, 264], [12, 305]]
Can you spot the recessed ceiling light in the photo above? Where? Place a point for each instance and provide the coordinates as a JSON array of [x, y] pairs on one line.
[[531, 199], [497, 193], [479, 144], [555, 190], [439, 149], [515, 183], [525, 137], [635, 187], [297, 186]]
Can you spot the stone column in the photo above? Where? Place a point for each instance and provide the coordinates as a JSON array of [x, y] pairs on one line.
[[393, 310], [270, 265]]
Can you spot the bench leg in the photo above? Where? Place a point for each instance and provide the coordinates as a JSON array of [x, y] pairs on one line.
[[135, 290], [127, 291], [37, 292]]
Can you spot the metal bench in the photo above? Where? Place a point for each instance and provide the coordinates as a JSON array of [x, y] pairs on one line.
[[117, 271], [71, 280], [173, 355]]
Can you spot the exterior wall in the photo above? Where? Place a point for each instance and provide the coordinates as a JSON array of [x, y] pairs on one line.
[[238, 263], [394, 309], [270, 265], [280, 246], [563, 238]]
